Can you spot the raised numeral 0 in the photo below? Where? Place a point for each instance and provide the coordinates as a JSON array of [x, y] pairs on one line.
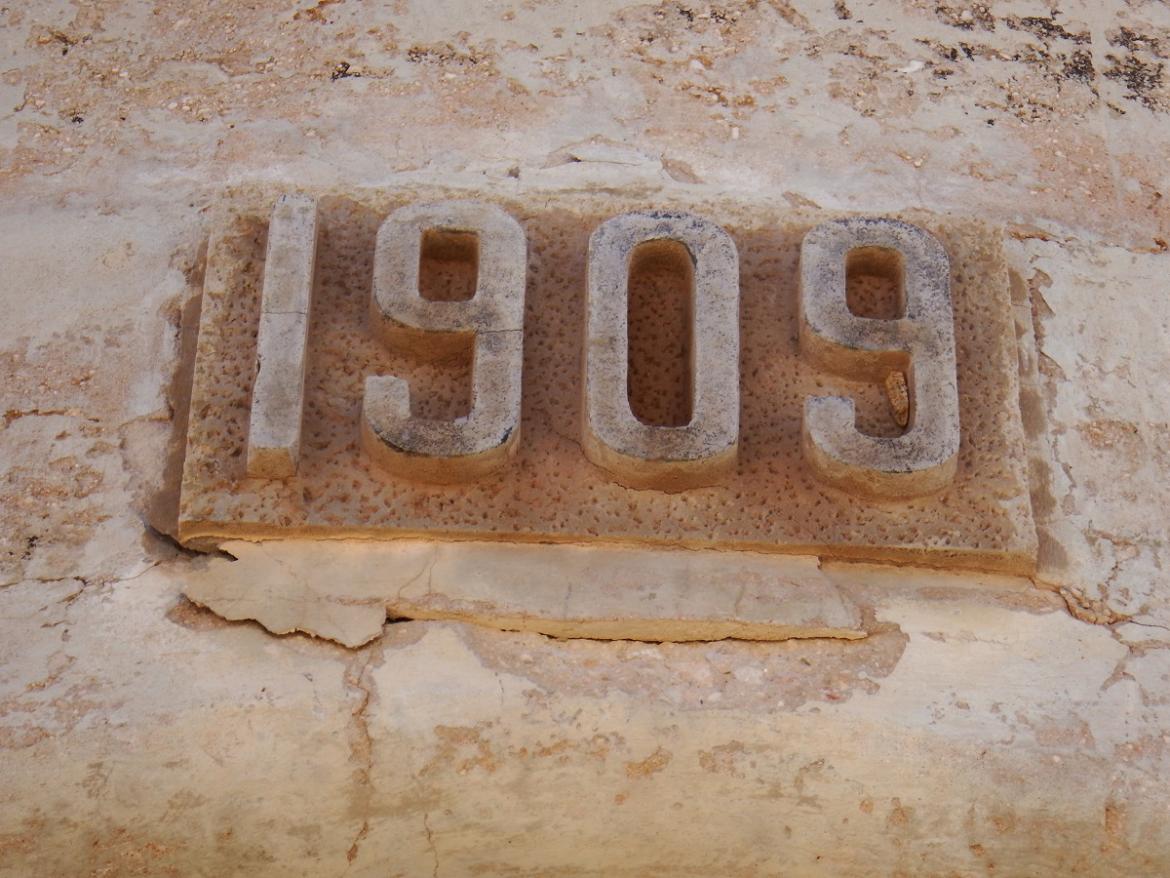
[[642, 455], [920, 344]]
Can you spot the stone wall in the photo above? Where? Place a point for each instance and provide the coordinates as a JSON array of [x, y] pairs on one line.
[[986, 723]]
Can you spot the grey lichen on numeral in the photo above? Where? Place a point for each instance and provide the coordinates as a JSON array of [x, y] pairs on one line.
[[466, 448], [278, 394], [647, 456], [919, 344]]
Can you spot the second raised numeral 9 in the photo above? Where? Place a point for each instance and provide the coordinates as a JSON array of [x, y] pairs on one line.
[[920, 344]]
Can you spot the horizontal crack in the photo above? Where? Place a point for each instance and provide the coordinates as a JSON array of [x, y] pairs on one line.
[[16, 414]]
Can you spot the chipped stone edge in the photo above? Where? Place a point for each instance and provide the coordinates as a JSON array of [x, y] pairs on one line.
[[290, 594]]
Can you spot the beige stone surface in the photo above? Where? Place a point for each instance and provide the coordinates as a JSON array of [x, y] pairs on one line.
[[197, 746], [985, 726], [1099, 461]]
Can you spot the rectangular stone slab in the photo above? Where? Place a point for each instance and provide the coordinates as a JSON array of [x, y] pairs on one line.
[[550, 492]]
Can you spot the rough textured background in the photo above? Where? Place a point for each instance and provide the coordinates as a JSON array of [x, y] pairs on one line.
[[985, 726]]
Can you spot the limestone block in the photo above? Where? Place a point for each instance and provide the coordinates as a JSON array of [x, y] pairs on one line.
[[643, 455], [771, 502], [278, 395], [469, 447], [918, 344]]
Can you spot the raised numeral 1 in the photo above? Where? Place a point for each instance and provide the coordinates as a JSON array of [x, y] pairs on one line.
[[278, 395]]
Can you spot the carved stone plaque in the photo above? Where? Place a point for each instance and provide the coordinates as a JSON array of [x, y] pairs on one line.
[[699, 375]]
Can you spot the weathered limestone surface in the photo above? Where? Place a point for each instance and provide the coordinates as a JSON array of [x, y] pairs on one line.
[[983, 726]]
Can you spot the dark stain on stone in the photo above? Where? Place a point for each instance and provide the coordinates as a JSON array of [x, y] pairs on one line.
[[1140, 78]]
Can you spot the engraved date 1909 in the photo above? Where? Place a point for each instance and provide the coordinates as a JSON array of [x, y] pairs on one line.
[[911, 354]]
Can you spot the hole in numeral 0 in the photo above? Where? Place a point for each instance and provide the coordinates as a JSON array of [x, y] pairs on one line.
[[662, 290]]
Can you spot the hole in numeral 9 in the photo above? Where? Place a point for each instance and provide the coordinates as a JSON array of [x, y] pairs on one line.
[[875, 289], [875, 283], [448, 265], [448, 271], [661, 302]]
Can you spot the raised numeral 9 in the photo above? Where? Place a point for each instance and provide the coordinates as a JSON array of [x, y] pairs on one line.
[[920, 344], [480, 443]]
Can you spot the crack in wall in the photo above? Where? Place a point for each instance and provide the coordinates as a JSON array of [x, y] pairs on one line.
[[16, 414], [434, 850], [1086, 609], [358, 682]]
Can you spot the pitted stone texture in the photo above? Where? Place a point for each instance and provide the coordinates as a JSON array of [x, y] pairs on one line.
[[278, 396], [549, 492], [344, 591], [472, 446], [918, 344], [635, 453]]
